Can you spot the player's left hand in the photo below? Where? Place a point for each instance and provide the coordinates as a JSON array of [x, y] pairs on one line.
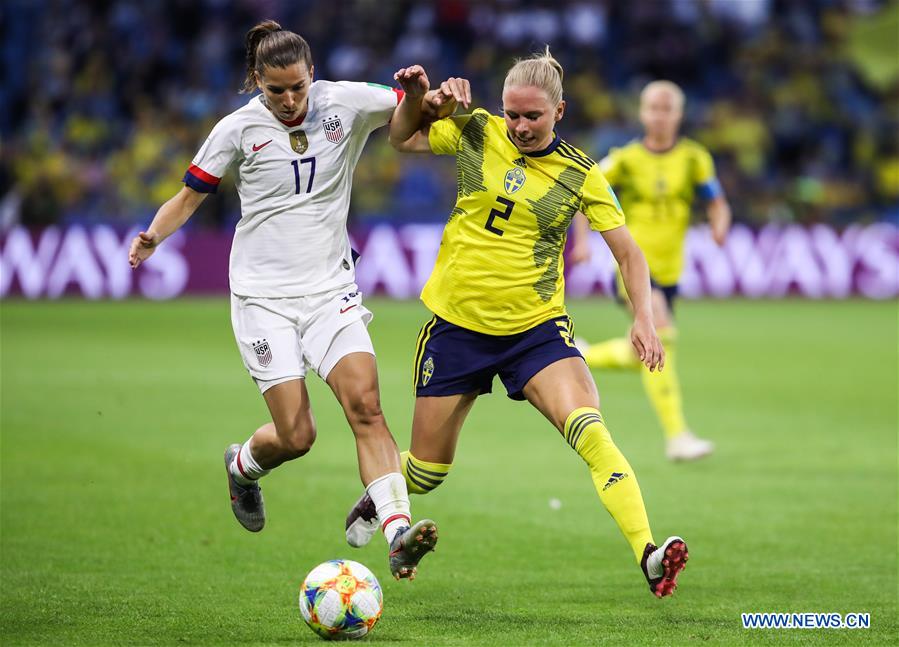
[[647, 344], [413, 80]]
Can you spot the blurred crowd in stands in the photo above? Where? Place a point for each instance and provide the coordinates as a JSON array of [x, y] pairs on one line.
[[105, 102]]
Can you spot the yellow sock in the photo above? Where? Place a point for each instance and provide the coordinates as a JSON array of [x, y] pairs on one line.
[[663, 388], [612, 475], [422, 476], [613, 353]]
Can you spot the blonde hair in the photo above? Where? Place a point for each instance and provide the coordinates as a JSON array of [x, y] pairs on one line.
[[670, 86], [539, 70]]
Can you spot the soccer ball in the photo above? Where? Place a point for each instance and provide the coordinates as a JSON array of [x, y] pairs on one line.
[[341, 600]]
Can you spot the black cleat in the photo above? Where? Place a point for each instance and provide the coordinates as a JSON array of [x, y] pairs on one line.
[[246, 500]]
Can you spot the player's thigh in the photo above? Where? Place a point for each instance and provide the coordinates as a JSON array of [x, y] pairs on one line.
[[354, 381], [353, 375], [348, 365], [436, 424], [560, 388], [451, 367]]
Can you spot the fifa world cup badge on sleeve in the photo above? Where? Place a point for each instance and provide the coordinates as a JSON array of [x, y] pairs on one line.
[[263, 352]]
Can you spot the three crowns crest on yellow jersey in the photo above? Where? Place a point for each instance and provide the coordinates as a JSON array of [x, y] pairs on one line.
[[515, 179]]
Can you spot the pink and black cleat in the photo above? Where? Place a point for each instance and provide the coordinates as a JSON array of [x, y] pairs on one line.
[[662, 565], [362, 522]]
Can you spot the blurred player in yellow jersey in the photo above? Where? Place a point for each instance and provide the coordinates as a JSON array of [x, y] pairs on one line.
[[657, 179], [497, 294]]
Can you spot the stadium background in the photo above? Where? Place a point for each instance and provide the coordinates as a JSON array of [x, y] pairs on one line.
[[113, 527]]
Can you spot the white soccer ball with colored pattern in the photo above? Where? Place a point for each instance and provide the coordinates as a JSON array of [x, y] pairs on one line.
[[341, 600]]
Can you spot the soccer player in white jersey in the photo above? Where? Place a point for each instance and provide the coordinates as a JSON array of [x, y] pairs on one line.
[[295, 305]]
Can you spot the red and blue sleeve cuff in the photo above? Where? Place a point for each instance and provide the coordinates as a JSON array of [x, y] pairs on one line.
[[201, 181]]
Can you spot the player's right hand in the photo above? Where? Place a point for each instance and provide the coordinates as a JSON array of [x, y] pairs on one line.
[[454, 89], [442, 102], [142, 247]]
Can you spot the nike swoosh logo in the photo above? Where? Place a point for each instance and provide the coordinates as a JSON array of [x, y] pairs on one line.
[[261, 146], [342, 310]]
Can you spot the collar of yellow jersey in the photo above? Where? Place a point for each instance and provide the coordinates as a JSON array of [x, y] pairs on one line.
[[553, 145]]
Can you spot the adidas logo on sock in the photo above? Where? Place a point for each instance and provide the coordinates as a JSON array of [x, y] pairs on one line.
[[616, 476]]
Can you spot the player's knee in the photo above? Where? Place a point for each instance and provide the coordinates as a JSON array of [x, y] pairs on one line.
[[580, 393], [363, 410], [422, 476]]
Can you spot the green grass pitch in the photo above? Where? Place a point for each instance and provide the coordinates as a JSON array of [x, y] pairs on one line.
[[115, 526]]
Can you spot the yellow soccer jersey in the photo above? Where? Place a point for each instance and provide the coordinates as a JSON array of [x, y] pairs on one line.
[[499, 268], [657, 191]]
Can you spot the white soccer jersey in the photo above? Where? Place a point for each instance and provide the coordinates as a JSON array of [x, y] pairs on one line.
[[294, 182]]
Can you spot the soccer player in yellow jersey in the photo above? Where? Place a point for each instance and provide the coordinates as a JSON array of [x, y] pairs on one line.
[[657, 179], [497, 295]]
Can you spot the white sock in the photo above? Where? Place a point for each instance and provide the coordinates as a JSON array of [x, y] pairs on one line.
[[392, 503], [244, 467]]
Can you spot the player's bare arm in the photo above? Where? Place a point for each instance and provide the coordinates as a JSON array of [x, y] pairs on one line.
[[635, 273], [170, 217], [719, 218], [415, 84], [411, 120]]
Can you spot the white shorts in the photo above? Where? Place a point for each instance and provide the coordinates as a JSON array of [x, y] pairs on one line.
[[279, 339]]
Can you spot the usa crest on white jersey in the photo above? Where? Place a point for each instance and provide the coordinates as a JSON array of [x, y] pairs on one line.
[[333, 129]]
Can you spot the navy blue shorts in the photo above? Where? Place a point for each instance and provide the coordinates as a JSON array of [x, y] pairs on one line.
[[668, 291], [450, 360]]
